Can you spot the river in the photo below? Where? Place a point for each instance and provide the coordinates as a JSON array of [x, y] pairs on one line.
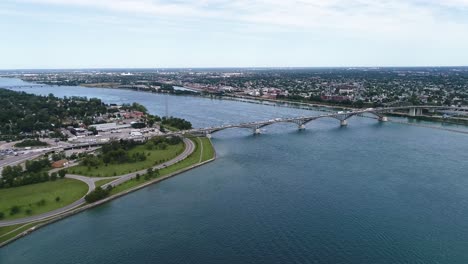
[[367, 193]]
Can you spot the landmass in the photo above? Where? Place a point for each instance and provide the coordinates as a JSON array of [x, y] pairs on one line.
[[69, 158]]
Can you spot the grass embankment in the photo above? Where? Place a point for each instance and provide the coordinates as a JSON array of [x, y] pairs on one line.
[[208, 150], [153, 157], [200, 154], [9, 232], [40, 198]]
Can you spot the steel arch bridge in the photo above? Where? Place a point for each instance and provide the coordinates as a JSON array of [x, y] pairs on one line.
[[341, 116]]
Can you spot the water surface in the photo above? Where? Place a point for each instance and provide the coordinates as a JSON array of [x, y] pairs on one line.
[[367, 193]]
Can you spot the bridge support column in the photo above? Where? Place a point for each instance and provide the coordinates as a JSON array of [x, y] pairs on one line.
[[256, 131], [208, 135], [343, 122], [412, 111], [301, 127], [383, 119], [418, 111]]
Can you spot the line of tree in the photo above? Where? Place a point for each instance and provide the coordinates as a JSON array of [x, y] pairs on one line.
[[35, 172], [31, 143], [176, 122]]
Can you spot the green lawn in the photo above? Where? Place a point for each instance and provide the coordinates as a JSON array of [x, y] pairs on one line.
[[28, 197], [208, 150], [155, 157], [194, 158], [9, 232]]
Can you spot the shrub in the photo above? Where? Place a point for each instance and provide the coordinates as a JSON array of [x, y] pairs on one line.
[[97, 194], [14, 210], [62, 173]]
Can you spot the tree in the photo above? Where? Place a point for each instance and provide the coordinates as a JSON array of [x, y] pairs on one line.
[[14, 210], [97, 195], [150, 171], [53, 176], [93, 129], [62, 173]]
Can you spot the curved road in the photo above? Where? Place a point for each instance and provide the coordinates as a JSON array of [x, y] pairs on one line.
[[90, 181]]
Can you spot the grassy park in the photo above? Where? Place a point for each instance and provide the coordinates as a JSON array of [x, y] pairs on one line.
[[39, 198], [199, 155], [153, 157]]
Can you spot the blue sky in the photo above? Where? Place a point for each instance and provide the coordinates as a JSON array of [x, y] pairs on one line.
[[223, 33]]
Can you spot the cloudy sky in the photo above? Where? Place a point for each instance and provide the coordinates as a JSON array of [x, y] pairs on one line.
[[230, 33]]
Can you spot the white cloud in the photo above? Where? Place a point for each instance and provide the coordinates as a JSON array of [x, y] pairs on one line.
[[362, 14], [401, 17]]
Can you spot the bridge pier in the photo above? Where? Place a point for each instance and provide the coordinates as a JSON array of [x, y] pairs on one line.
[[383, 119], [415, 111], [301, 127], [208, 135], [343, 122], [257, 131]]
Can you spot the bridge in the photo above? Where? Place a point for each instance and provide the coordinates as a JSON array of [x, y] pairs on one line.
[[341, 116]]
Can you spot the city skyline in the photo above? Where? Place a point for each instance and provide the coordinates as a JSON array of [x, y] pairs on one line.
[[55, 34]]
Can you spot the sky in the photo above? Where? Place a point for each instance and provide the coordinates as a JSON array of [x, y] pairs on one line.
[[55, 34]]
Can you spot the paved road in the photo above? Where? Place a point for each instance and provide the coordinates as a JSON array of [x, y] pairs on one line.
[[14, 160], [90, 181]]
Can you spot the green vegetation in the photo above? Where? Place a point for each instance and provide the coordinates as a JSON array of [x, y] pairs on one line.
[[8, 232], [31, 143], [36, 171], [22, 114], [199, 154], [208, 150], [98, 194], [39, 198], [175, 122], [134, 107], [123, 157]]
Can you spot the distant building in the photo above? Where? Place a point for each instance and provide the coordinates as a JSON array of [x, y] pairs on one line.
[[78, 131], [60, 163], [109, 126]]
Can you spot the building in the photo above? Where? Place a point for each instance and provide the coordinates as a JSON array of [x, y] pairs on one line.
[[60, 163], [109, 126]]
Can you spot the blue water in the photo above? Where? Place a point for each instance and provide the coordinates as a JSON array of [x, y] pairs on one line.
[[367, 193]]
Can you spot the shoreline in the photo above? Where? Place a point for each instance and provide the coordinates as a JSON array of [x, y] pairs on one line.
[[277, 102], [82, 208]]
